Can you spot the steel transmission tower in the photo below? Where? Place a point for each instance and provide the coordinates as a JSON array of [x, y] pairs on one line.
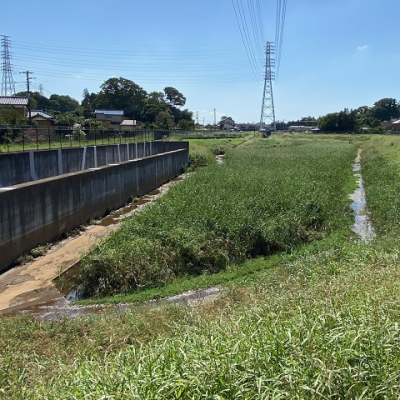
[[7, 82], [267, 108]]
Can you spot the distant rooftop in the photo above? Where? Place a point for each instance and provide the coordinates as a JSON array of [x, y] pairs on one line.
[[13, 101], [40, 113], [128, 122], [109, 112]]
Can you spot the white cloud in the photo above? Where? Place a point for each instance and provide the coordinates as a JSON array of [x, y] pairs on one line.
[[362, 48], [77, 76]]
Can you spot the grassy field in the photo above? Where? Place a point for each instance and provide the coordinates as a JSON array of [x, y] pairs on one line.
[[262, 200], [320, 319]]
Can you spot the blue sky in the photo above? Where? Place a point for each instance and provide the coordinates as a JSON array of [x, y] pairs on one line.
[[336, 54]]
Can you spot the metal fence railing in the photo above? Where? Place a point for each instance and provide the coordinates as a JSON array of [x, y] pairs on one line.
[[26, 138]]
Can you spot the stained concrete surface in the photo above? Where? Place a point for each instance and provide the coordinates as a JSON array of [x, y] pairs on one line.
[[31, 286]]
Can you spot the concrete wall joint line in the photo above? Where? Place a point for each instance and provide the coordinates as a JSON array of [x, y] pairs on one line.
[[32, 166], [60, 164], [83, 158]]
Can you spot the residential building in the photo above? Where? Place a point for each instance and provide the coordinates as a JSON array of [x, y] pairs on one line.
[[227, 124], [113, 116], [42, 118], [18, 103]]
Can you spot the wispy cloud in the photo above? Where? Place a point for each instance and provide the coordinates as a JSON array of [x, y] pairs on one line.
[[362, 48], [77, 76]]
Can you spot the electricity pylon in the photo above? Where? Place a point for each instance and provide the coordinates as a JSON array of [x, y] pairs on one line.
[[267, 120], [7, 82]]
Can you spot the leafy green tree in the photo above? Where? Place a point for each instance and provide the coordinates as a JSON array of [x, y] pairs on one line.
[[385, 109], [37, 101], [63, 103], [187, 125], [164, 121], [89, 100], [9, 116], [154, 104], [122, 94], [362, 111], [69, 119], [343, 121], [174, 97]]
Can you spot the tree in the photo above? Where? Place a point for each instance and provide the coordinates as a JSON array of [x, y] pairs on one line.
[[186, 125], [9, 116], [122, 94], [37, 101], [69, 119], [385, 109], [154, 104], [344, 121], [89, 100], [164, 121], [63, 103], [174, 97]]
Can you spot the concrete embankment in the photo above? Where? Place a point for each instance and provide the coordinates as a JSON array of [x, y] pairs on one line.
[[38, 212], [31, 166]]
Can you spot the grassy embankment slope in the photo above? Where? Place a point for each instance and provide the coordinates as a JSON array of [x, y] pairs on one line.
[[324, 324], [261, 201]]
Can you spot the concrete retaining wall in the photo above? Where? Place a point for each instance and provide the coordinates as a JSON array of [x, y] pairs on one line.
[[36, 213], [16, 168]]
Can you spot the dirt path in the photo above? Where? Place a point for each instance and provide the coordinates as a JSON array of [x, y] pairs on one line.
[[34, 281]]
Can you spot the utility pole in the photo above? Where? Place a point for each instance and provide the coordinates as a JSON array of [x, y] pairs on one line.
[[197, 117], [7, 82], [267, 107], [28, 78], [215, 117], [41, 89]]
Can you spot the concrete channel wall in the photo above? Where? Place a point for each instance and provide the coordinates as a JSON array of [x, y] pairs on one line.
[[35, 213], [16, 168]]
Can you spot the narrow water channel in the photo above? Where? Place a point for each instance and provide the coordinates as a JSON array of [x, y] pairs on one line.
[[362, 225]]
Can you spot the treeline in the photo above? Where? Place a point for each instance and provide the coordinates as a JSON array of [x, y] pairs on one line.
[[154, 110], [362, 118]]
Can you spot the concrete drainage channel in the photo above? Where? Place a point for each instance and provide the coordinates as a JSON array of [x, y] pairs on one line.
[[24, 290]]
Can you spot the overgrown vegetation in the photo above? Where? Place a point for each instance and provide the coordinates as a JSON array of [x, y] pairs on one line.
[[227, 214], [322, 322]]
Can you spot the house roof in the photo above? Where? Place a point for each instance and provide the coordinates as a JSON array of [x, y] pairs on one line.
[[109, 112], [13, 101], [38, 113]]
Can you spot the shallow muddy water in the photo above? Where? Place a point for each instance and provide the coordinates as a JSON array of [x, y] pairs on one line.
[[362, 225], [62, 307]]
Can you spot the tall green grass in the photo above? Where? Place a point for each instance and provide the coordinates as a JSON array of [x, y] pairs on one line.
[[381, 173], [267, 197], [325, 324]]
